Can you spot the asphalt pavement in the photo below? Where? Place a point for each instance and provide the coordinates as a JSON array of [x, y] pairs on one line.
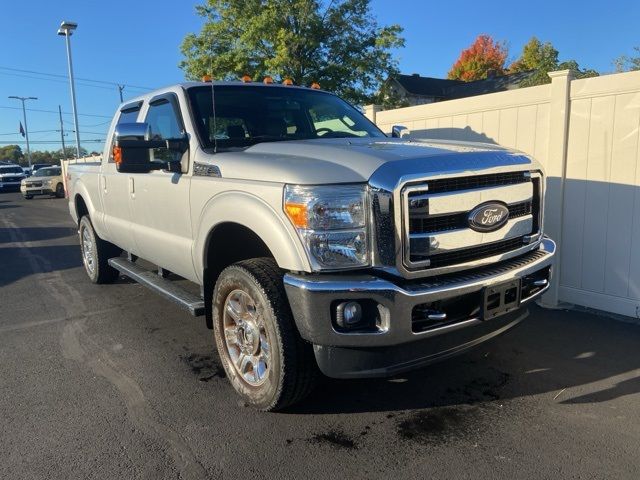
[[114, 382]]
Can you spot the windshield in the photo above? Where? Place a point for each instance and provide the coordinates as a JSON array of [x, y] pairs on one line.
[[246, 115], [5, 170], [48, 172]]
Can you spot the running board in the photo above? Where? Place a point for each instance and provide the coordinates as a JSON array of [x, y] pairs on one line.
[[192, 303]]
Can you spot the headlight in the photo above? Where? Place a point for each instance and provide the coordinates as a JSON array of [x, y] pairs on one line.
[[332, 223], [46, 183]]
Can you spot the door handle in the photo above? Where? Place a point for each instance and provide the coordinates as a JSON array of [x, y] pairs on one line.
[[132, 189], [104, 183]]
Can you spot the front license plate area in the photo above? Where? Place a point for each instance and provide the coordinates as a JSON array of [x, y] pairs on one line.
[[500, 299]]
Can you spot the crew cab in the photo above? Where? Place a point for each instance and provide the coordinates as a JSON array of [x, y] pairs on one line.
[[319, 243], [45, 181]]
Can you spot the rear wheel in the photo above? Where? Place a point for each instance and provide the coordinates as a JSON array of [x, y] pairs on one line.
[[60, 190], [266, 360], [96, 254]]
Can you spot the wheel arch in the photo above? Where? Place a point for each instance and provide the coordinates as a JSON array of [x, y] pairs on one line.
[[236, 226]]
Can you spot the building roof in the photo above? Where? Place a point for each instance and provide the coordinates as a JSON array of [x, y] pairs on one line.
[[449, 89], [428, 86]]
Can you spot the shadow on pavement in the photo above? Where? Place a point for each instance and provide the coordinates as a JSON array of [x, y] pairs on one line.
[[14, 265], [34, 234], [549, 352]]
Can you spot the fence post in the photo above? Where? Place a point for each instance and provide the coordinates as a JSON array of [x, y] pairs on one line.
[[556, 169], [370, 111]]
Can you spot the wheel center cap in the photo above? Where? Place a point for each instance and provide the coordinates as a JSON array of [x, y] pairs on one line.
[[249, 340]]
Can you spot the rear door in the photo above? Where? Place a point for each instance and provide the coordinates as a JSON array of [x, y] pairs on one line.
[[116, 190], [160, 200]]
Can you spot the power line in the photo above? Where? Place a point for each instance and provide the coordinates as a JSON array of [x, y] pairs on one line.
[[53, 111], [54, 80], [46, 142], [116, 84]]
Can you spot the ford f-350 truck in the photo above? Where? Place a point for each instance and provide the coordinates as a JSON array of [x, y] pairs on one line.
[[319, 243]]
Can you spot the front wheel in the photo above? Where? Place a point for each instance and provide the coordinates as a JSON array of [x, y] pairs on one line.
[[265, 359], [96, 254], [59, 191]]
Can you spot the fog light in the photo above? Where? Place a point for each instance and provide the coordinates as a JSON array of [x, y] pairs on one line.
[[348, 314]]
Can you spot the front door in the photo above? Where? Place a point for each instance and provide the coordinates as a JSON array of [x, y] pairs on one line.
[[160, 199], [115, 191]]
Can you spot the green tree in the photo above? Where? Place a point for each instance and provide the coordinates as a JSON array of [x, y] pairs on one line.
[[625, 63], [485, 55], [543, 58], [338, 44], [11, 153]]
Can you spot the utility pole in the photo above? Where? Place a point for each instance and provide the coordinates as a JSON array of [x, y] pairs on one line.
[[24, 117], [66, 30], [120, 89], [64, 150]]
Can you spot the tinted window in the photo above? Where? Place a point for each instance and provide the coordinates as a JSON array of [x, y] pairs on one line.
[[129, 115], [246, 115], [48, 172], [163, 120]]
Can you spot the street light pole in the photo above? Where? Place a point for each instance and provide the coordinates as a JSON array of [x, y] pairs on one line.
[[26, 128], [66, 30]]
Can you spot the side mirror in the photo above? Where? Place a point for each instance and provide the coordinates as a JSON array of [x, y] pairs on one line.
[[133, 145], [399, 131]]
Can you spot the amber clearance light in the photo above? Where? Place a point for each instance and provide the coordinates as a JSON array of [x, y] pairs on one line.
[[288, 82], [297, 213], [117, 155], [315, 86], [267, 80], [246, 79]]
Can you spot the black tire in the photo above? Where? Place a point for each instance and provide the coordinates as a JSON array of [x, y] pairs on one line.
[[96, 254], [59, 190], [28, 197], [292, 371]]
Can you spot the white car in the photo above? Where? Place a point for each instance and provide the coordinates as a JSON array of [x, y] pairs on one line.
[[10, 177], [45, 181]]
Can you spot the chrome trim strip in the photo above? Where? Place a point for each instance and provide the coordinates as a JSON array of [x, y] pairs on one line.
[[450, 240], [467, 200]]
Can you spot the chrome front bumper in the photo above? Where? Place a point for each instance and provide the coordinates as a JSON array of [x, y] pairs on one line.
[[313, 297]]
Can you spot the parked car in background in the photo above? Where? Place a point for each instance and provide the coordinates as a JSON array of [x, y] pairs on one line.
[[27, 171], [45, 181], [10, 177]]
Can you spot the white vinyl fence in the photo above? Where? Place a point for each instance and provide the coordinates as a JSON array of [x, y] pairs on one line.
[[586, 133]]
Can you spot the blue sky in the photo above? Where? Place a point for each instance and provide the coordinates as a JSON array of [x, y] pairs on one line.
[[136, 42]]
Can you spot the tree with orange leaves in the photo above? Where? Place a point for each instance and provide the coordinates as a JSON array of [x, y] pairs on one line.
[[483, 56]]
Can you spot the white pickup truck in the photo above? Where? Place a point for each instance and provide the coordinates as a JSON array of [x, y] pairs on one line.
[[318, 243]]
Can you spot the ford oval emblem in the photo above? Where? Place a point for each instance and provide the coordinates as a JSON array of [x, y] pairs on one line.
[[488, 217]]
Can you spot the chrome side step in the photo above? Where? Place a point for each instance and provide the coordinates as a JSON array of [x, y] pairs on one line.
[[192, 303]]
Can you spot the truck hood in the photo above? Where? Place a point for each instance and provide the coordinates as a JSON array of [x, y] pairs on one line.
[[323, 161]]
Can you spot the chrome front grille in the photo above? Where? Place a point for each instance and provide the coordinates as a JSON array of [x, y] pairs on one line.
[[436, 229]]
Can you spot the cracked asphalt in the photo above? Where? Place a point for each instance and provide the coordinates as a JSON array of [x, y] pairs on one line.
[[114, 382]]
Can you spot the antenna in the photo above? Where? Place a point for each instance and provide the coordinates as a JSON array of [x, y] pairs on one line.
[[215, 126]]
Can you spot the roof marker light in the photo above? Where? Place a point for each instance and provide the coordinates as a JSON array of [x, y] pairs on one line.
[[267, 80], [246, 79], [288, 82], [206, 78], [315, 86]]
